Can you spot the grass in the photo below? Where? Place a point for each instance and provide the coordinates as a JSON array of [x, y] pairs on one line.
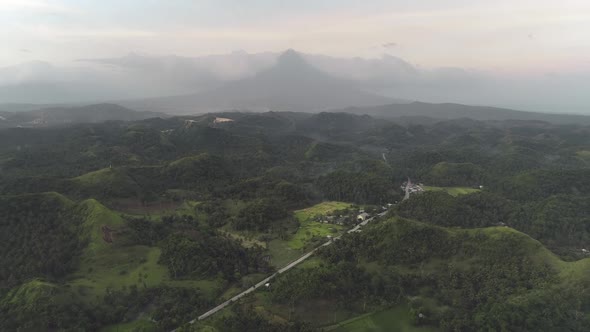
[[394, 319], [101, 175], [29, 292], [286, 251], [320, 209], [117, 268], [281, 253], [110, 265], [187, 208], [155, 211], [107, 178], [317, 312], [453, 191], [97, 215], [245, 241], [309, 228], [578, 270], [310, 263], [584, 155]]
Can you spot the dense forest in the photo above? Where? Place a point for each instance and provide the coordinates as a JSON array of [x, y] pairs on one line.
[[144, 225]]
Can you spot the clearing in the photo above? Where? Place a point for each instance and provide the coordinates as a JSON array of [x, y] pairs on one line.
[[453, 191], [394, 319], [308, 228]]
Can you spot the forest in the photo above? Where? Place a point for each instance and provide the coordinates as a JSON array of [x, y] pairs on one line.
[[144, 225]]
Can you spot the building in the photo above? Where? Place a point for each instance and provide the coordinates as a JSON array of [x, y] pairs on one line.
[[362, 216]]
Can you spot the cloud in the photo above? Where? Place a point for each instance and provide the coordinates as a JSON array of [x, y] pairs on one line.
[[389, 45], [52, 32], [38, 6], [147, 76]]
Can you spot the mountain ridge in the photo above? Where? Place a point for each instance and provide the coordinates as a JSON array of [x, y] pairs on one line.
[[447, 111], [291, 85], [58, 115]]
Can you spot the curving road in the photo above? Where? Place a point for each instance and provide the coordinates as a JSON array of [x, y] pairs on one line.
[[282, 270]]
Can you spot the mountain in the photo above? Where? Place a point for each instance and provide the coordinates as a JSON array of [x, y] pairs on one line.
[[68, 115], [446, 111], [291, 85]]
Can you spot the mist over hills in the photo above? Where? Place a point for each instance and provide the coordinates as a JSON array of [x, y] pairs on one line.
[[409, 113], [290, 85], [139, 76], [291, 81], [418, 111], [55, 116]]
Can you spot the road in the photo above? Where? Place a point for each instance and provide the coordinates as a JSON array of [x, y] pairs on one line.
[[282, 270], [407, 195]]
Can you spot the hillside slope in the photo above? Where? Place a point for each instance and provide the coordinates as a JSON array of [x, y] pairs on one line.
[[451, 279]]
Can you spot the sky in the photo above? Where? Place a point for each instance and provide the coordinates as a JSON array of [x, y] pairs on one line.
[[515, 39]]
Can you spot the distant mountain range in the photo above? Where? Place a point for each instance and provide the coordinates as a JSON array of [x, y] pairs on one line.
[[291, 85], [416, 112], [55, 116], [204, 83], [446, 111]]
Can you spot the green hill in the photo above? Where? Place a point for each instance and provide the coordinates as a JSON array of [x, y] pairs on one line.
[[455, 278], [455, 174], [107, 182]]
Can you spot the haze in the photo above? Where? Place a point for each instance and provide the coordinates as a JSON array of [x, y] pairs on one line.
[[530, 55]]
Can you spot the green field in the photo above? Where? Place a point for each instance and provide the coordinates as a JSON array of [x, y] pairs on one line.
[[309, 228], [107, 182], [320, 209], [116, 268], [110, 265], [246, 240], [285, 251], [394, 319], [282, 253], [310, 263], [584, 155], [453, 191]]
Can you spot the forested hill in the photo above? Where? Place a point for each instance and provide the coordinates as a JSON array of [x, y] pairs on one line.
[[445, 111], [60, 116], [491, 278], [146, 224]]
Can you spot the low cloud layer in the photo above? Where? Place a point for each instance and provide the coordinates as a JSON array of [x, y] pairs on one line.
[[142, 76]]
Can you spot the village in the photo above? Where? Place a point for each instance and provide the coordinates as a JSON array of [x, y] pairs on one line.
[[412, 188], [356, 215], [344, 217]]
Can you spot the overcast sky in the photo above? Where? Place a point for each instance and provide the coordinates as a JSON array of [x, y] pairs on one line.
[[523, 35], [520, 40]]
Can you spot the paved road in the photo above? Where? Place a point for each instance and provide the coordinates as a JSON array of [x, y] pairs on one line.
[[282, 270], [407, 195]]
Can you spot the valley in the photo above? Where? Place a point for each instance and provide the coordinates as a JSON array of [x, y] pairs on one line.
[[293, 222], [294, 166]]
